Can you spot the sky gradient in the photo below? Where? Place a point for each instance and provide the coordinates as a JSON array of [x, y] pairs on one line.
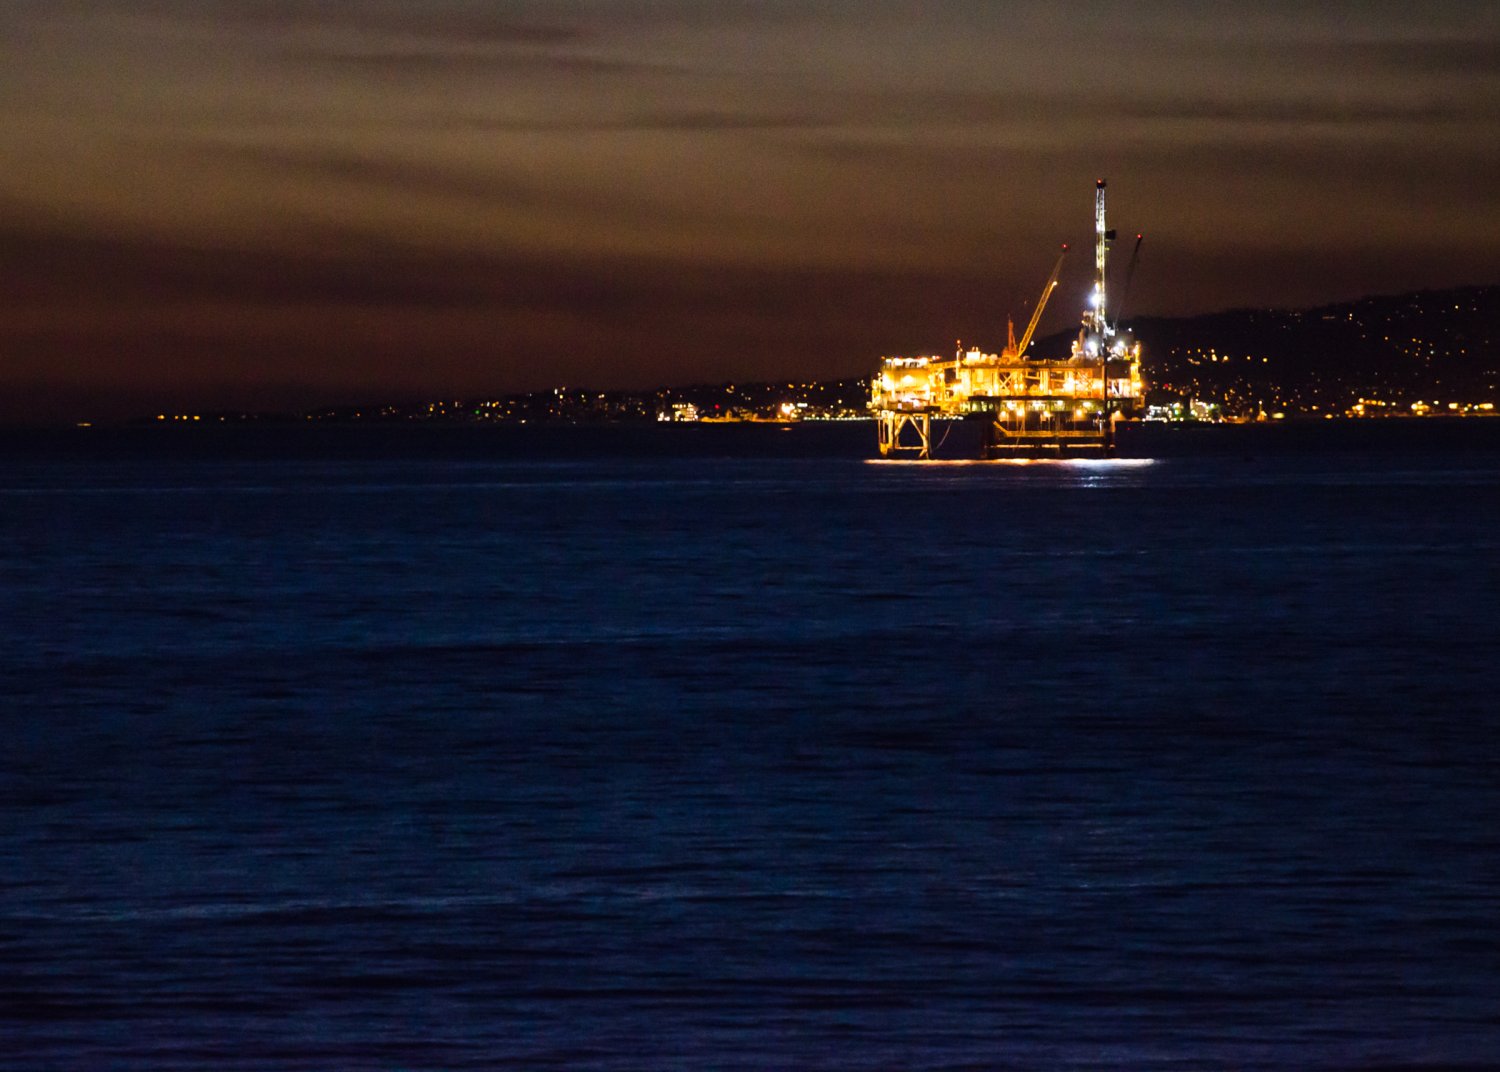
[[287, 202]]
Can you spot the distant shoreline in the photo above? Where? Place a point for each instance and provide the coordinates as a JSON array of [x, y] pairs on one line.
[[812, 439]]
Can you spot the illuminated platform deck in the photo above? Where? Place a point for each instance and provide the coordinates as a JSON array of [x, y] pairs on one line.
[[1027, 407]]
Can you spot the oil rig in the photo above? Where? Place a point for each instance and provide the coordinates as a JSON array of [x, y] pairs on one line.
[[1026, 407]]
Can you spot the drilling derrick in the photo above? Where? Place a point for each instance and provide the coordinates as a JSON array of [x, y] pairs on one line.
[[1102, 236], [1022, 406], [1094, 338]]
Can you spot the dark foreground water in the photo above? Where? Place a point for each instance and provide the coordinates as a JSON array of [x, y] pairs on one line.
[[776, 763]]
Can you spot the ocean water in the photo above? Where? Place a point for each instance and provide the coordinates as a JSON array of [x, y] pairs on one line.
[[777, 762]]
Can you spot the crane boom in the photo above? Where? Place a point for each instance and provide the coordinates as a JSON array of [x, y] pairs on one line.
[[1135, 256], [1036, 315]]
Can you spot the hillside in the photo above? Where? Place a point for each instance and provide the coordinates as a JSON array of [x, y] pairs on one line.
[[1435, 347]]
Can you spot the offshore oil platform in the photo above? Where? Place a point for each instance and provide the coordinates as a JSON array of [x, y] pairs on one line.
[[1025, 407]]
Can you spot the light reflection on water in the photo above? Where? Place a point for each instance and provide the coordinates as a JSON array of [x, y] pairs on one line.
[[1087, 463]]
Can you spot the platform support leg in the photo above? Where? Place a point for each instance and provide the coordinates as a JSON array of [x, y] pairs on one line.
[[891, 425]]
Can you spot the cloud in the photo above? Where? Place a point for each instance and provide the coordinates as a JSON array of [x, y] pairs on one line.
[[395, 64], [484, 198], [1305, 112], [1463, 58], [416, 180], [464, 23]]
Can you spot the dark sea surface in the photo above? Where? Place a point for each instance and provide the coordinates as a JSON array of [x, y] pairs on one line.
[[747, 753]]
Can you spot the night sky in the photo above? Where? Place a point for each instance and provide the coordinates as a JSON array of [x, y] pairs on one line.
[[276, 203]]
